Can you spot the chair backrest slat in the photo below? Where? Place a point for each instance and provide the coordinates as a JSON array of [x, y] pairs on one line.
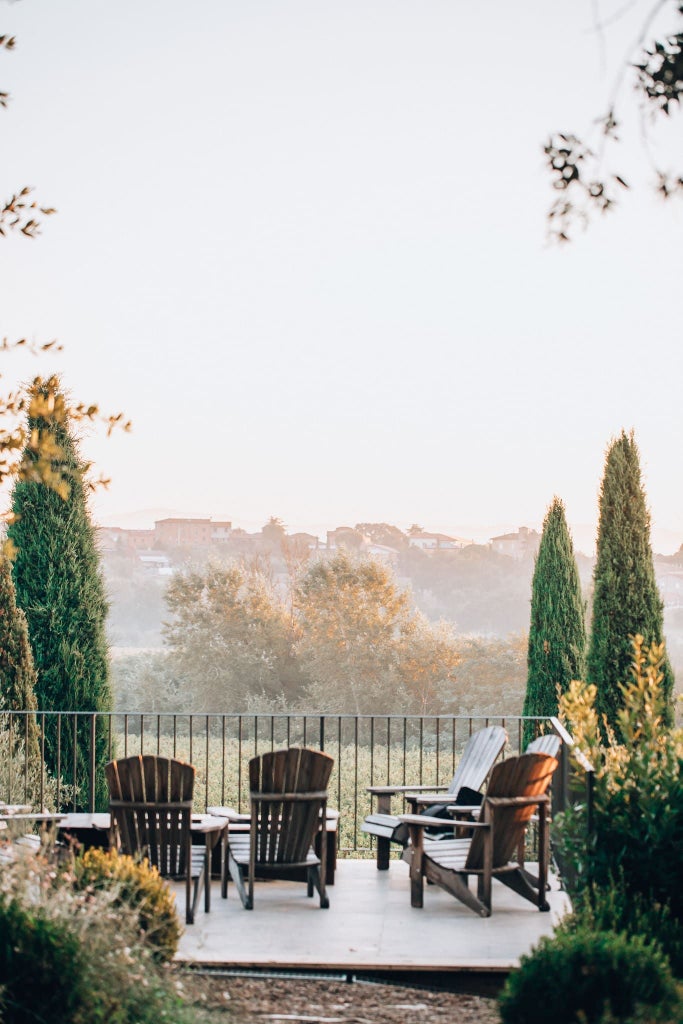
[[525, 776], [549, 743], [151, 807], [478, 757], [284, 829]]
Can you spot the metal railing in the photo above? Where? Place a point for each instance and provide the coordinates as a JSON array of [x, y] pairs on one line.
[[61, 767]]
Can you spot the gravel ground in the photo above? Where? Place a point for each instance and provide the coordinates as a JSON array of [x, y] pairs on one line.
[[250, 1000]]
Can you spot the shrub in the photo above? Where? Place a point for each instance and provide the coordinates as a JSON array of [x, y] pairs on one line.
[[41, 966], [81, 949], [613, 908], [636, 841], [140, 886], [585, 977]]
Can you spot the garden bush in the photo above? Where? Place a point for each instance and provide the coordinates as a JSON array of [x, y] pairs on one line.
[[139, 885], [42, 971], [72, 955], [635, 846], [586, 977]]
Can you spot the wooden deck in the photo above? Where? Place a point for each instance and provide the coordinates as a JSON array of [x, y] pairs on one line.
[[370, 926]]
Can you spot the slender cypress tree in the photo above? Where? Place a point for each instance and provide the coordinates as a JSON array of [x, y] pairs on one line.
[[625, 596], [557, 633], [59, 585], [17, 671]]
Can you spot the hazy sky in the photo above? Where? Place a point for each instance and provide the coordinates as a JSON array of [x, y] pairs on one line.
[[302, 244]]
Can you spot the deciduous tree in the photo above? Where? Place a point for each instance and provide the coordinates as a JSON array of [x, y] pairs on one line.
[[231, 636]]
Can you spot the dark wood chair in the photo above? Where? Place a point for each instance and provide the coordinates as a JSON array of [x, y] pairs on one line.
[[478, 758], [288, 808], [150, 802], [518, 787]]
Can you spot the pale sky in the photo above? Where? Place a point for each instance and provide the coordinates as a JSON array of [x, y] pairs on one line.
[[301, 243]]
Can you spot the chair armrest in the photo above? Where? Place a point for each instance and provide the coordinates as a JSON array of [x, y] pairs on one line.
[[517, 801], [390, 790], [426, 821], [432, 797]]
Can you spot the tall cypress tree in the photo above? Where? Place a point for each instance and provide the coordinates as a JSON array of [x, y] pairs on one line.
[[557, 633], [17, 671], [625, 596], [60, 587]]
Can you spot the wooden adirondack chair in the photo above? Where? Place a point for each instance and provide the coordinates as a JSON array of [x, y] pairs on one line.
[[288, 807], [151, 814], [516, 789], [478, 757]]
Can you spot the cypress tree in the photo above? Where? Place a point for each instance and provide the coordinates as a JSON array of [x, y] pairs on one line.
[[60, 587], [625, 596], [17, 671], [557, 632]]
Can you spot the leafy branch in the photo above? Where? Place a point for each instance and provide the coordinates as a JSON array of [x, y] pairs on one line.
[[577, 170]]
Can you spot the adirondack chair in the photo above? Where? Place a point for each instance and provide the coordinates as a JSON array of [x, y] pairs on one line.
[[288, 807], [516, 788], [478, 757], [150, 803]]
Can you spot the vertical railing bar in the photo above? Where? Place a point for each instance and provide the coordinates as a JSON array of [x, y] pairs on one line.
[[422, 723], [208, 763], [26, 734], [42, 763], [388, 750], [93, 761], [142, 733], [10, 759], [191, 737], [158, 735], [355, 785], [239, 763], [339, 755], [59, 760], [437, 722], [222, 760], [372, 750], [322, 733], [74, 741], [125, 735], [175, 735]]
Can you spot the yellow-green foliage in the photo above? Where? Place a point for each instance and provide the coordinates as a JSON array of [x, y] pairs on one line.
[[636, 840], [138, 885]]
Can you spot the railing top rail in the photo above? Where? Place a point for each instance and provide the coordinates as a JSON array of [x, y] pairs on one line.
[[289, 714]]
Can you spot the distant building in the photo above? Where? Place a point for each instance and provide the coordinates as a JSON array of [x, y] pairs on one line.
[[114, 539], [523, 544], [430, 542], [670, 585], [180, 533]]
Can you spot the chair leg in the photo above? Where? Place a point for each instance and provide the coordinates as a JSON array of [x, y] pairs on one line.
[[383, 850], [316, 879], [237, 875]]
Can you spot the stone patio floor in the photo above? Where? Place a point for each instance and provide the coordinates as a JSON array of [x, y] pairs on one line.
[[370, 925]]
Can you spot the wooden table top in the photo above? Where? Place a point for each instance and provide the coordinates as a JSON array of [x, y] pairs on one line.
[[102, 822]]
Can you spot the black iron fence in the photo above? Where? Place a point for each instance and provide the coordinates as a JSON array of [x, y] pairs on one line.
[[67, 772]]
